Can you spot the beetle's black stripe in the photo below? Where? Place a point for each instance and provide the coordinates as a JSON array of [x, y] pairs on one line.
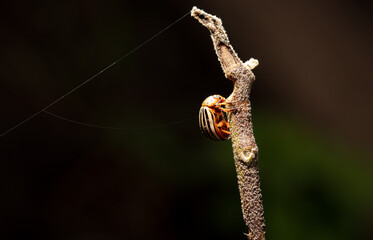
[[211, 119], [207, 124], [203, 123], [201, 119]]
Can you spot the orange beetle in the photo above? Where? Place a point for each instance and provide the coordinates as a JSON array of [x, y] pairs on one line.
[[212, 120]]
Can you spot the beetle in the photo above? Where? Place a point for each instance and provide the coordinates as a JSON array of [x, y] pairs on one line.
[[212, 120]]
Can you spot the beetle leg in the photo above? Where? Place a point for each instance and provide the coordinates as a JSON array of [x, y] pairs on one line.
[[226, 110], [223, 106], [225, 131], [221, 124]]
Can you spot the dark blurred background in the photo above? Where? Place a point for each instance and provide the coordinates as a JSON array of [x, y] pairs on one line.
[[161, 178]]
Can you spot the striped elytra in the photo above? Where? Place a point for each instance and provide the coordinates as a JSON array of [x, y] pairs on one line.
[[212, 121]]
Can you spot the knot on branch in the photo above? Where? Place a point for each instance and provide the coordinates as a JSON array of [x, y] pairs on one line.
[[247, 154]]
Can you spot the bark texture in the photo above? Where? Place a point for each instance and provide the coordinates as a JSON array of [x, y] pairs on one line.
[[245, 150]]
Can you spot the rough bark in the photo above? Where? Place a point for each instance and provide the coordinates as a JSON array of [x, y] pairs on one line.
[[245, 150]]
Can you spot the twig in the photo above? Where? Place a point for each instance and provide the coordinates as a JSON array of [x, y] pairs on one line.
[[245, 150]]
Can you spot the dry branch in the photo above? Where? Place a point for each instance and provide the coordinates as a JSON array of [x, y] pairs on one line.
[[245, 150]]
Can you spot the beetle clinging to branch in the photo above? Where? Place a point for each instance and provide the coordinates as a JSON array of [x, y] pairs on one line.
[[238, 125]]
